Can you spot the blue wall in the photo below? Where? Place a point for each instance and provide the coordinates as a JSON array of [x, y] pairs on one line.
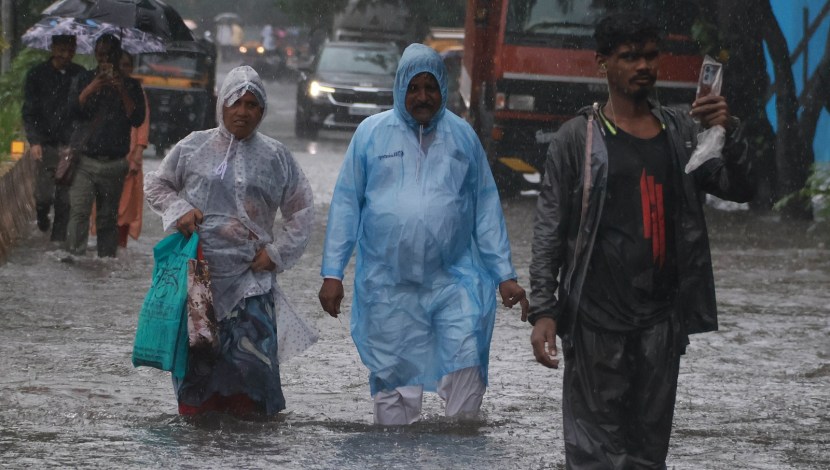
[[790, 16]]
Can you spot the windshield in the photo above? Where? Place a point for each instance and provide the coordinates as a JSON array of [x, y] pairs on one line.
[[359, 61], [169, 64], [545, 18]]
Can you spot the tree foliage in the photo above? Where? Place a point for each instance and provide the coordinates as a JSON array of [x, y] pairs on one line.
[[252, 12], [320, 13], [11, 95]]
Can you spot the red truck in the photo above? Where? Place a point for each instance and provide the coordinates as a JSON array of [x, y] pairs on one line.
[[529, 66]]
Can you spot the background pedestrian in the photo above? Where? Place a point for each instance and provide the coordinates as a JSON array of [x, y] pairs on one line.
[[106, 105], [48, 126]]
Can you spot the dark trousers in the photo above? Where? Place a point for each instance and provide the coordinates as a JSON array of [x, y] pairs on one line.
[[618, 397], [99, 182], [49, 194]]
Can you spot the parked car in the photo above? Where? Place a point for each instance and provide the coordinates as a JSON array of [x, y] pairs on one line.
[[347, 82]]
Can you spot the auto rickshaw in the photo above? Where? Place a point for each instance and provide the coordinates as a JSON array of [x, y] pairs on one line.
[[180, 86]]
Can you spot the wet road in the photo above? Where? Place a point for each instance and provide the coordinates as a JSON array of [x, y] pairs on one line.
[[755, 395]]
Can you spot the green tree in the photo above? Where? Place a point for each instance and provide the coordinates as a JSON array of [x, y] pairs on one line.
[[11, 95], [26, 13], [320, 13]]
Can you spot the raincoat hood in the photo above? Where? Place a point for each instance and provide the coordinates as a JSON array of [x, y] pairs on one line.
[[416, 59], [238, 81]]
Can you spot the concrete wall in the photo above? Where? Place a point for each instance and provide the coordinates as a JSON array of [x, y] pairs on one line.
[[17, 202]]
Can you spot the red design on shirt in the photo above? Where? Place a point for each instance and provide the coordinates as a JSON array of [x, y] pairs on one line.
[[654, 222]]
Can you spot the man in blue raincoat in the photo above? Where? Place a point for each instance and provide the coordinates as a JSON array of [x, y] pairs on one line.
[[416, 195]]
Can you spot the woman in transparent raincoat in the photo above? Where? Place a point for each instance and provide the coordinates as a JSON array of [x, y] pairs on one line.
[[227, 184], [416, 196]]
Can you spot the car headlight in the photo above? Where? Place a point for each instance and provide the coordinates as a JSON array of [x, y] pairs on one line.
[[315, 89], [243, 49], [260, 50]]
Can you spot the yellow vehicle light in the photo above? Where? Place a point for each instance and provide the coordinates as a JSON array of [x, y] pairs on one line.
[[18, 147], [260, 50], [171, 82], [517, 164], [315, 89], [243, 49]]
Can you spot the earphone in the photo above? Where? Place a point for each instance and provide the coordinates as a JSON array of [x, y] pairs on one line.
[[602, 66]]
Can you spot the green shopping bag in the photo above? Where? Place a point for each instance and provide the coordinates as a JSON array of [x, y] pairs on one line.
[[161, 337]]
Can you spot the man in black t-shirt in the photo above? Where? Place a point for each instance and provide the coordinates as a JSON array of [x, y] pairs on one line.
[[48, 127], [623, 275]]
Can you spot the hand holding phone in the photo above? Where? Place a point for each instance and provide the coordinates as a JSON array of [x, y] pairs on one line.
[[711, 78], [107, 70]]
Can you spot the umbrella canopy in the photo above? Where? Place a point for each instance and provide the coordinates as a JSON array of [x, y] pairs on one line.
[[227, 17], [87, 32], [151, 16]]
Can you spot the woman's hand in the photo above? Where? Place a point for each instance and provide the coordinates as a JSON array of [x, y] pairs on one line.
[[189, 223], [262, 262]]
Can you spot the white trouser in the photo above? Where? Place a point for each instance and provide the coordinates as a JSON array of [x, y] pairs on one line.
[[462, 391]]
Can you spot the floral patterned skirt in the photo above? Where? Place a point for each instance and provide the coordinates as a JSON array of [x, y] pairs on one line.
[[245, 366]]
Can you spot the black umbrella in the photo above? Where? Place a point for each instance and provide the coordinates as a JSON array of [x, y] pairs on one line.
[[151, 16]]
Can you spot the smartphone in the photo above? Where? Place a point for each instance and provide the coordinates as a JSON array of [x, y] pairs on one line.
[[708, 81], [107, 70]]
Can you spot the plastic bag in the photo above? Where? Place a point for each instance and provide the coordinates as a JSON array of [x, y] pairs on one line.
[[161, 339], [709, 142], [201, 321]]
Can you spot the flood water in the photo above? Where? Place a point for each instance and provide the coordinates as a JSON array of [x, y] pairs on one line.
[[754, 395]]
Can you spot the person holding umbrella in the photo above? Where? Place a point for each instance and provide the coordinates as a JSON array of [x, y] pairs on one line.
[[48, 126], [106, 105], [131, 205]]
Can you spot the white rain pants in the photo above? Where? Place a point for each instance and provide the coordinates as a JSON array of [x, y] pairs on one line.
[[462, 392]]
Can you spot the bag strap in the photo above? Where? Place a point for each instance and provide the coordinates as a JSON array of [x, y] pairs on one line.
[[586, 183], [586, 176]]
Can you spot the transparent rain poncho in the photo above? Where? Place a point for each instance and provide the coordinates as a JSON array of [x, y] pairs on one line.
[[239, 185], [420, 204]]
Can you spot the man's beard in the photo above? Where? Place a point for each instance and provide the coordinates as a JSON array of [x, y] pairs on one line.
[[643, 92]]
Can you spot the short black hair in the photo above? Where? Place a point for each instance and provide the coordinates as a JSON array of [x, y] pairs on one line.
[[67, 39], [115, 47], [625, 28]]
